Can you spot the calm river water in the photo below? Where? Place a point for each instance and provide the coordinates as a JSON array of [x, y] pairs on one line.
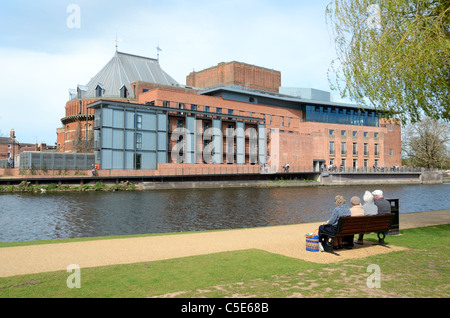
[[26, 217]]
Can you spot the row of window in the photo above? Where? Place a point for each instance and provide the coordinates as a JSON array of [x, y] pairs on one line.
[[100, 90], [332, 132], [355, 162], [354, 149], [339, 115]]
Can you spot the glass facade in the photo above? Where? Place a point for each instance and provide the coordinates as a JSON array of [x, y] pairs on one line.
[[340, 115]]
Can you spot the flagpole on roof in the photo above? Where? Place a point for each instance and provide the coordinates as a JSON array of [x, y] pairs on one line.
[[158, 49], [117, 40]]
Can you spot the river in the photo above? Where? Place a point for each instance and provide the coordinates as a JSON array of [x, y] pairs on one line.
[[25, 217]]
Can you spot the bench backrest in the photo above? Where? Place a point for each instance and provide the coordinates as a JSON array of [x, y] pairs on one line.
[[364, 224]]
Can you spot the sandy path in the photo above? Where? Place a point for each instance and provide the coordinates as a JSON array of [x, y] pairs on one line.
[[287, 240]]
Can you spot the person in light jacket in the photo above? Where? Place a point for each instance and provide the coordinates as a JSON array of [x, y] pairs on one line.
[[369, 208]]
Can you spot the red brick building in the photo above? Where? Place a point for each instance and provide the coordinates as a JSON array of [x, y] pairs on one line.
[[305, 129], [10, 147]]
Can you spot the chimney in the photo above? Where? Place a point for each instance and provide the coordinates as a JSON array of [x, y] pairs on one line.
[[12, 134]]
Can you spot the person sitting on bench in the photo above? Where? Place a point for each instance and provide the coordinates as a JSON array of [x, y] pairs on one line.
[[369, 208], [383, 205], [355, 210], [329, 227]]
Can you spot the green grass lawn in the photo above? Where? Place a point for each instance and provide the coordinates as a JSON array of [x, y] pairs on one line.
[[421, 271]]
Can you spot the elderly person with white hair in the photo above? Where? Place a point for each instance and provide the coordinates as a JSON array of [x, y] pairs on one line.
[[383, 205], [369, 208]]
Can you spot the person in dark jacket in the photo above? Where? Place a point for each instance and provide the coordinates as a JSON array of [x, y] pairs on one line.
[[383, 205]]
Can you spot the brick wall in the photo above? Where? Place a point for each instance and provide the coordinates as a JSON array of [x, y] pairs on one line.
[[236, 73]]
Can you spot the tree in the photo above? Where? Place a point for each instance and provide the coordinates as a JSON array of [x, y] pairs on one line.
[[79, 143], [425, 143], [393, 55]]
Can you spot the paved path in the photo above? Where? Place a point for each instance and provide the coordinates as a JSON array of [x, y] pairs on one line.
[[287, 240]]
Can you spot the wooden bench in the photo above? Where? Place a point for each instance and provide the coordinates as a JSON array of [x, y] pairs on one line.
[[352, 225]]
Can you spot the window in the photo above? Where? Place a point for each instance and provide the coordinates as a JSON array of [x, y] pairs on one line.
[[139, 141], [123, 92], [355, 133], [343, 132], [193, 107], [137, 160], [343, 148], [366, 149], [366, 134], [332, 148], [355, 149], [390, 127], [206, 108], [181, 106], [331, 132], [391, 152], [99, 91], [179, 123], [376, 150], [375, 135], [138, 121], [366, 163], [219, 110]]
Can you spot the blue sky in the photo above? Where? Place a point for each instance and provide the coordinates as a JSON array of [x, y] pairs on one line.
[[43, 57]]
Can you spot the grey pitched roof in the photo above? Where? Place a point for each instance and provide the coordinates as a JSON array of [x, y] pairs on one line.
[[122, 70], [7, 140]]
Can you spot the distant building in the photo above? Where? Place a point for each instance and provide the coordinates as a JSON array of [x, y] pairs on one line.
[[10, 148], [233, 113]]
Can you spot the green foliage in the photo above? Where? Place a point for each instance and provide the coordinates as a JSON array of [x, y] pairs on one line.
[[393, 55]]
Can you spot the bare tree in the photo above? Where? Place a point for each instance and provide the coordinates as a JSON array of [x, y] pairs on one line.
[[425, 143]]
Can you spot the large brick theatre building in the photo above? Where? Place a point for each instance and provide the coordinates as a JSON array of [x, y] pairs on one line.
[[133, 116]]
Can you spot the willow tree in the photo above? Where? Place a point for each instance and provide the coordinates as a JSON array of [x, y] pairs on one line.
[[393, 55]]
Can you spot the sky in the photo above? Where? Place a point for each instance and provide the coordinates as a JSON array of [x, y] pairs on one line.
[[48, 47]]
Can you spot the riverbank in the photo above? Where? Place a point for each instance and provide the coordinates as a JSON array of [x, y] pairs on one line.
[[25, 186]]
